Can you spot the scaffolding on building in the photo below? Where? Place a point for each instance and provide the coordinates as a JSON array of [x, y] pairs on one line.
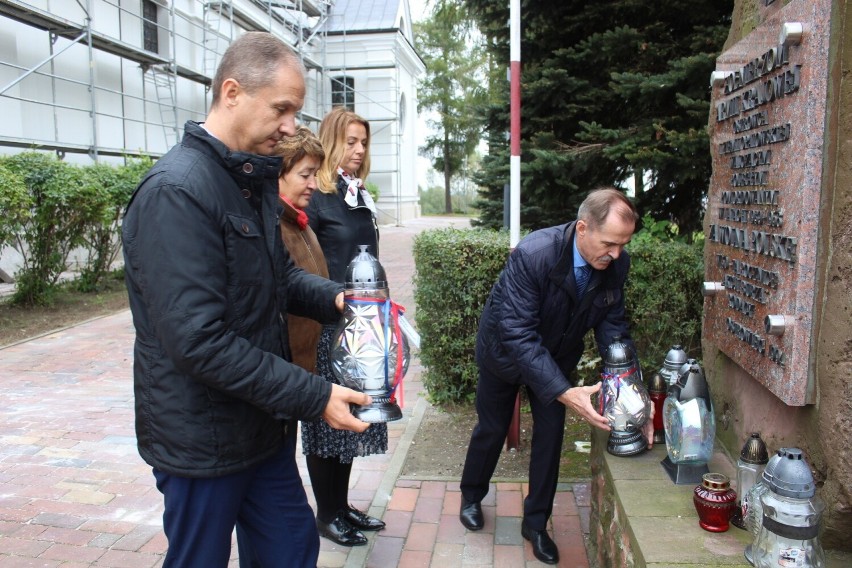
[[167, 53], [165, 45]]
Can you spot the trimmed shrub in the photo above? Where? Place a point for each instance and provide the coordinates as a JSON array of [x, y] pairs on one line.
[[62, 205], [664, 303], [111, 187], [454, 272], [49, 207], [15, 206]]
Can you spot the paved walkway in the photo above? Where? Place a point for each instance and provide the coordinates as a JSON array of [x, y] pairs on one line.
[[74, 492]]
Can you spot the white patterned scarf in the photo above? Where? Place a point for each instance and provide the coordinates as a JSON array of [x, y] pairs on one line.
[[353, 186]]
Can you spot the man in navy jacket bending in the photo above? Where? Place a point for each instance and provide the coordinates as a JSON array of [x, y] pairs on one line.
[[557, 284]]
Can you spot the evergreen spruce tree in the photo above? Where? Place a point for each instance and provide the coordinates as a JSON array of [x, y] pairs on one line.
[[611, 90]]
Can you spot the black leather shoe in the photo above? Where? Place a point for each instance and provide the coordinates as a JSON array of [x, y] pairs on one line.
[[361, 520], [543, 546], [341, 532], [470, 515]]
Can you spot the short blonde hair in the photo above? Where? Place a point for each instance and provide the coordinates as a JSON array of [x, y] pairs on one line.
[[332, 134], [293, 148]]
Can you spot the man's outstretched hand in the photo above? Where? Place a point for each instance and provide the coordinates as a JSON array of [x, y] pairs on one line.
[[648, 428], [337, 413], [579, 399]]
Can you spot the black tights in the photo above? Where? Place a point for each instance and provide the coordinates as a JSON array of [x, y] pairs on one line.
[[330, 482]]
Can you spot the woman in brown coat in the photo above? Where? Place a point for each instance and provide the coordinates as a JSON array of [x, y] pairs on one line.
[[303, 156]]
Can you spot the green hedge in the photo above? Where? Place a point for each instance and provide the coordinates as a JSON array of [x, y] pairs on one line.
[[50, 207], [112, 187], [663, 297], [455, 270]]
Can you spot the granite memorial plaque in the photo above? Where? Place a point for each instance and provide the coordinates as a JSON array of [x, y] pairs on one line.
[[769, 100]]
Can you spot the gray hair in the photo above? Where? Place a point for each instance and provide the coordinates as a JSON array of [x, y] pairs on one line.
[[596, 207]]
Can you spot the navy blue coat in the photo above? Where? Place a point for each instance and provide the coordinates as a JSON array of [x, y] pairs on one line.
[[532, 328]]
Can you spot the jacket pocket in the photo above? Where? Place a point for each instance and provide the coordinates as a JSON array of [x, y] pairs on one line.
[[607, 298], [247, 258], [601, 304], [250, 284]]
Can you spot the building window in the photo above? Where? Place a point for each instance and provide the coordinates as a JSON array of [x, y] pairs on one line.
[[402, 113], [343, 92], [150, 31]]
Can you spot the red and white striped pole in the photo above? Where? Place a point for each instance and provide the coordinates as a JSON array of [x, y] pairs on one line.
[[515, 122], [513, 437]]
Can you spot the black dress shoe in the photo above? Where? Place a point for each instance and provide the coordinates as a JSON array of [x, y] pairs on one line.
[[361, 520], [341, 532], [470, 515], [543, 546]]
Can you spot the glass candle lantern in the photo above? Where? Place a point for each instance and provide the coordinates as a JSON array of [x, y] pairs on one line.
[[369, 352], [789, 532], [750, 465], [754, 512], [690, 427], [657, 389], [675, 359], [624, 400], [714, 502]]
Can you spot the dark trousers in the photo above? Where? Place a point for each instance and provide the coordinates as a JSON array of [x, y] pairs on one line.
[[266, 501], [495, 404]]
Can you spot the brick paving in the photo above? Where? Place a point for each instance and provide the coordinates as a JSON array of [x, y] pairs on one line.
[[74, 491]]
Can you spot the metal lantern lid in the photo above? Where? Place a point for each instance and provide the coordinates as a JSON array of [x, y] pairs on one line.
[[792, 476], [685, 367], [691, 384], [770, 466], [619, 356], [365, 271], [657, 384], [675, 358], [754, 450]]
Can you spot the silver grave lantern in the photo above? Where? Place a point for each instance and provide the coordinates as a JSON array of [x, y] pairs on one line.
[[791, 515], [675, 359], [624, 400], [369, 352]]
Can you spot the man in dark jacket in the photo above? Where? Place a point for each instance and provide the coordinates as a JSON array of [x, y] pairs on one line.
[[558, 283], [209, 281]]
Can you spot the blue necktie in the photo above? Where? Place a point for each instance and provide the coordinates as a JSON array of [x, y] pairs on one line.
[[581, 276]]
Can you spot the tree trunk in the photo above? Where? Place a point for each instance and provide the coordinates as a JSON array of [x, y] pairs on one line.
[[448, 199]]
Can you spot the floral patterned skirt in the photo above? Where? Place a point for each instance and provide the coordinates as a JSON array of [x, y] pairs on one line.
[[320, 439]]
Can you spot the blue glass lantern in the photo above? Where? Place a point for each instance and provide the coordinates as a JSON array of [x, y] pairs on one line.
[[690, 426]]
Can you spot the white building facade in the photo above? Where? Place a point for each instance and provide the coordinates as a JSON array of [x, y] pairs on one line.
[[98, 80], [373, 68]]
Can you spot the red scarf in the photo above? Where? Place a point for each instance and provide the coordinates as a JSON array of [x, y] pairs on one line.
[[301, 216]]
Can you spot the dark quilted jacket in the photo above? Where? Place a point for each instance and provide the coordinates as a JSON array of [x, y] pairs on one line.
[[340, 229], [208, 279]]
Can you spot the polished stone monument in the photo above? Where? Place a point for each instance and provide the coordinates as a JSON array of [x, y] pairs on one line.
[[769, 95], [778, 248]]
